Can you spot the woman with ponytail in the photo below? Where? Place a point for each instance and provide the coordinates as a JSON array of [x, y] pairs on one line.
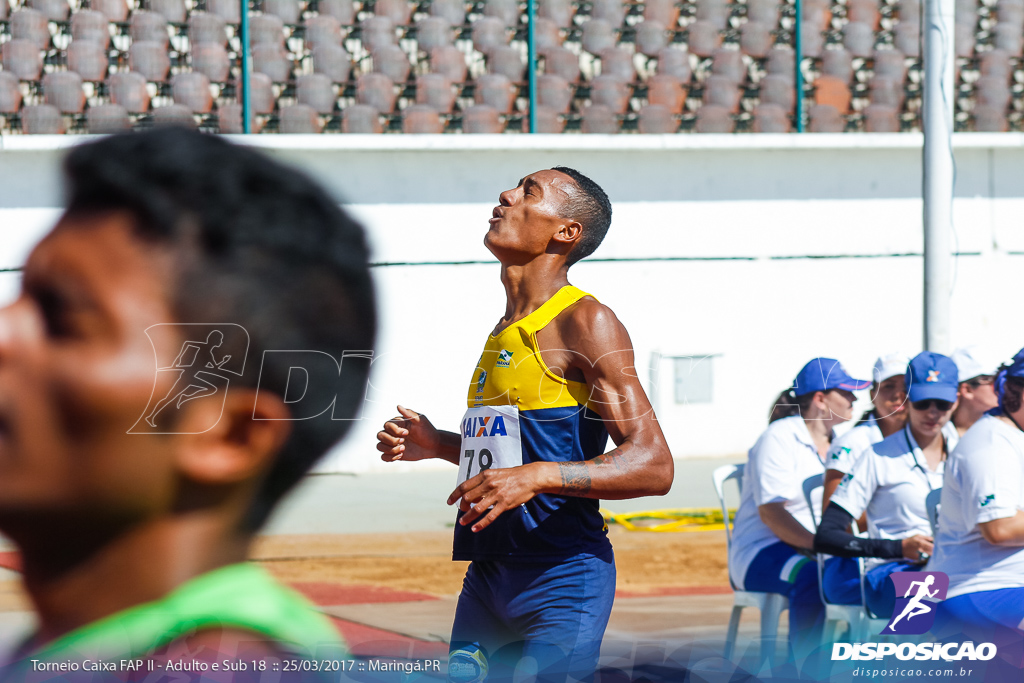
[[773, 533]]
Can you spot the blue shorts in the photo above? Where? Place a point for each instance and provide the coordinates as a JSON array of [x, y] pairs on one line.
[[555, 614], [985, 617], [800, 585], [841, 584]]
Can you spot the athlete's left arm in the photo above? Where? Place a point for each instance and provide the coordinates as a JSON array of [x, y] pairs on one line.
[[1007, 531], [641, 463]]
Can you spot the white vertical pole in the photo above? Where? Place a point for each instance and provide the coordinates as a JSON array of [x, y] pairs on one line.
[[937, 118]]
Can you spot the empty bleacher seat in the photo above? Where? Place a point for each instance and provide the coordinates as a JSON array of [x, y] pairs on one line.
[[864, 11], [266, 29], [54, 10], [782, 61], [763, 12], [204, 27], [989, 119], [342, 10], [996, 63], [360, 119], [272, 61], [664, 12], [324, 29], [229, 119], [128, 89], [675, 63], [548, 121], [887, 91], [891, 63], [964, 39], [88, 59], [770, 118], [1008, 37], [392, 62], [376, 90], [398, 11], [299, 119], [558, 11], [436, 91], [546, 34], [553, 91], [859, 39], [667, 91], [497, 91], [192, 89], [729, 63], [173, 11], [91, 26], [261, 93], [433, 32], [612, 11], [149, 59], [481, 119], [454, 11], [881, 118], [10, 93], [618, 62], [832, 91], [41, 119], [651, 37], [289, 11], [756, 39], [30, 25], [174, 115], [906, 37], [228, 10], [562, 62], [148, 27], [23, 59], [212, 60], [722, 91], [421, 119], [703, 38], [712, 118], [824, 118], [113, 10], [107, 118], [450, 62], [488, 33], [505, 11], [317, 91], [598, 36], [599, 119], [656, 119], [778, 91], [992, 91], [63, 89], [715, 12], [837, 62], [332, 61], [507, 60], [610, 92]]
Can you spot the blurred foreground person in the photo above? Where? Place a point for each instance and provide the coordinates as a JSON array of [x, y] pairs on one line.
[[134, 490], [976, 394]]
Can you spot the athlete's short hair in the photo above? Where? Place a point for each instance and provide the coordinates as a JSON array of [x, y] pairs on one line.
[[258, 244], [589, 206]]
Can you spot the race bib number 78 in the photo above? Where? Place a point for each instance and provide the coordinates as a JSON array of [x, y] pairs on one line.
[[490, 440]]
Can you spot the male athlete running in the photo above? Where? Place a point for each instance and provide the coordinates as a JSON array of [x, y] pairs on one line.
[[556, 378]]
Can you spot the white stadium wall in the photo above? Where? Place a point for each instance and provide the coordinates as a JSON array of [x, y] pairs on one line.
[[758, 251]]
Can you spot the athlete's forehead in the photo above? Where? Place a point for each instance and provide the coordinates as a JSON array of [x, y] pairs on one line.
[[548, 178]]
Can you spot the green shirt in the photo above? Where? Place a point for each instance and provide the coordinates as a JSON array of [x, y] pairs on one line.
[[239, 596]]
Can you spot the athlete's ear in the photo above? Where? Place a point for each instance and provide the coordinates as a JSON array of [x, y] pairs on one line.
[[569, 233], [240, 445]]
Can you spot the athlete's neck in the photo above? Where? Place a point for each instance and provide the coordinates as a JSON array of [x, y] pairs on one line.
[[821, 433], [528, 286], [76, 581]]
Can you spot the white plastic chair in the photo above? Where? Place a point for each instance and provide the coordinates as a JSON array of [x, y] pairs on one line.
[[771, 605], [931, 503], [853, 615]]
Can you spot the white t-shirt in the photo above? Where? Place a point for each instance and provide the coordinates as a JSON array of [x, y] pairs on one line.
[[890, 482], [847, 448], [778, 464], [984, 481]]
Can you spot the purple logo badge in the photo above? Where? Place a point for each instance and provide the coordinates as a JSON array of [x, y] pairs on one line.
[[917, 594]]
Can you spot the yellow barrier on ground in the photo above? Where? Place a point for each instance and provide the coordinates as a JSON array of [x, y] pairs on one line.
[[675, 519]]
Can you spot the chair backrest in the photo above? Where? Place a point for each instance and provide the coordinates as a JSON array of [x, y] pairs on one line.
[[811, 483], [719, 477], [932, 503]]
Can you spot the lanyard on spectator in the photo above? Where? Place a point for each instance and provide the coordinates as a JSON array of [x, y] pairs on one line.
[[1016, 424], [913, 454]]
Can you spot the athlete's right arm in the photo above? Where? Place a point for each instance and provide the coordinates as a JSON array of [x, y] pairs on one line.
[[410, 436], [784, 525]]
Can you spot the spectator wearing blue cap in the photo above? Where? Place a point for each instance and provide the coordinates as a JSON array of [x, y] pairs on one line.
[[980, 542], [890, 483], [774, 528]]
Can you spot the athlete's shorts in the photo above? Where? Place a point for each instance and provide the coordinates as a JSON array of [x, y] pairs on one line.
[[841, 584], [985, 617], [546, 618]]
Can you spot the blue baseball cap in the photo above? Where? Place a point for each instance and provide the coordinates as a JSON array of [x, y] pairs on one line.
[[1015, 368], [932, 375], [822, 374]]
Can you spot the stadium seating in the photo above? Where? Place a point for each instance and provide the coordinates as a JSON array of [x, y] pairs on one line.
[[466, 60]]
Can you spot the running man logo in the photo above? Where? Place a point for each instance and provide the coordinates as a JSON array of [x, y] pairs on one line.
[[198, 367], [504, 359], [491, 425], [933, 376], [914, 612], [985, 500]]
